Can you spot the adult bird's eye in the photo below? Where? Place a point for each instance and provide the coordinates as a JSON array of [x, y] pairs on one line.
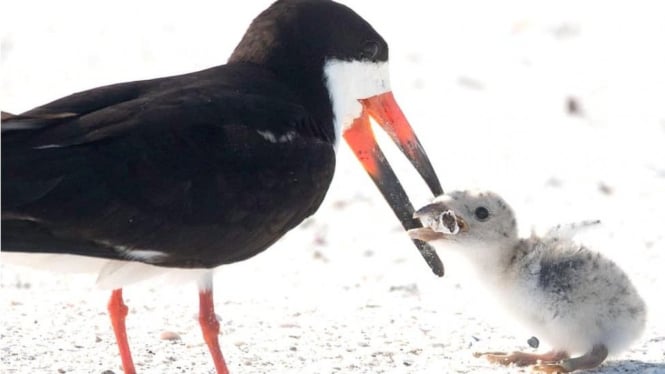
[[370, 50], [481, 213]]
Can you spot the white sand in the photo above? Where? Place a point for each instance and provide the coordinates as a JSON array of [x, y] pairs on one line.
[[485, 86]]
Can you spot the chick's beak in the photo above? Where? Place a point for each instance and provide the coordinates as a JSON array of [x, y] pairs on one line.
[[425, 234], [360, 137]]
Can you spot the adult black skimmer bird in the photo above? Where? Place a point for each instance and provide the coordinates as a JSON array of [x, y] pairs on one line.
[[209, 168]]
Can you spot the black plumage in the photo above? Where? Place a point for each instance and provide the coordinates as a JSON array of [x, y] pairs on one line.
[[135, 161]]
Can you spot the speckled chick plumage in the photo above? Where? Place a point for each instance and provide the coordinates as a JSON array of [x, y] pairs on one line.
[[570, 297]]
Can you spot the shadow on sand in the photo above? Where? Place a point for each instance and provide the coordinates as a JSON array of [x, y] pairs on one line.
[[629, 366]]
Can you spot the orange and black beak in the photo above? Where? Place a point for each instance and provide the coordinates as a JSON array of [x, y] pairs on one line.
[[384, 109]]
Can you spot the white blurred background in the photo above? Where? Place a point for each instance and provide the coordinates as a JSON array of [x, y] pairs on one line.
[[558, 106]]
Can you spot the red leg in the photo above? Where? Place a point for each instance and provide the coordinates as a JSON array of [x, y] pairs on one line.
[[118, 312], [210, 328]]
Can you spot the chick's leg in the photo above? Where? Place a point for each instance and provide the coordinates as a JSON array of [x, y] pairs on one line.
[[521, 358], [587, 361]]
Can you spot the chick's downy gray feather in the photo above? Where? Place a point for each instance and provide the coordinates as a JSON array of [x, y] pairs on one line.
[[573, 298]]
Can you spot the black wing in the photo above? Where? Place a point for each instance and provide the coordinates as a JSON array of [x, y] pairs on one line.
[[209, 168]]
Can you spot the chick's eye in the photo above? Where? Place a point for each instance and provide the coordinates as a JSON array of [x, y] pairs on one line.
[[481, 213], [370, 50]]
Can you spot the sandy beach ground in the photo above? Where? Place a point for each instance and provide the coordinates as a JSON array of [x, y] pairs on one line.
[[557, 106]]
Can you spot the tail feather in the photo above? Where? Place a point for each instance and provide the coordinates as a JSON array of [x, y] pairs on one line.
[[13, 122], [6, 116]]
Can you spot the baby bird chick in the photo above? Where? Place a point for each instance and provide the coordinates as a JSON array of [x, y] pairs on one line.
[[572, 298]]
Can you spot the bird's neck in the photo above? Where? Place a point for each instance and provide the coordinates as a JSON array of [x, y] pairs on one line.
[[495, 266], [269, 44], [489, 263], [308, 90]]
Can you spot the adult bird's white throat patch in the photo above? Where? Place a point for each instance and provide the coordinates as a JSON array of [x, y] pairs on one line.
[[350, 81]]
